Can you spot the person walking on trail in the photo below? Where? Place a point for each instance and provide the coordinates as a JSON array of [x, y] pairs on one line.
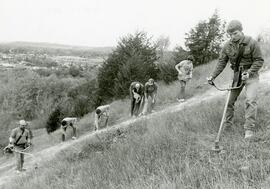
[[184, 69], [136, 91], [19, 140], [150, 93], [250, 62], [72, 122], [102, 115]]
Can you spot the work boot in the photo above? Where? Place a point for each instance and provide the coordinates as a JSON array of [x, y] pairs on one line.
[[180, 100], [20, 170], [74, 138], [249, 134]]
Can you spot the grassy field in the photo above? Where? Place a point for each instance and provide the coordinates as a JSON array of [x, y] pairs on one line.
[[170, 151]]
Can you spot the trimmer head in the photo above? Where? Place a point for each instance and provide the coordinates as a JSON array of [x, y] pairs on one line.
[[217, 148]]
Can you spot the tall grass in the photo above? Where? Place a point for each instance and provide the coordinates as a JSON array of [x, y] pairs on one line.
[[169, 151]]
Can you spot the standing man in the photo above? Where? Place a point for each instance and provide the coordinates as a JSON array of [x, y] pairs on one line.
[[250, 62], [19, 140], [72, 122], [102, 114], [184, 69], [150, 93], [136, 91]]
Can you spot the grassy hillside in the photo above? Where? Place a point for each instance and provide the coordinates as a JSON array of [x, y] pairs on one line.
[[120, 110], [33, 97], [170, 151]]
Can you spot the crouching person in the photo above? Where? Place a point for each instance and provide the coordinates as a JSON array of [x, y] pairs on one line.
[[150, 96], [19, 140], [136, 91], [102, 115], [69, 121]]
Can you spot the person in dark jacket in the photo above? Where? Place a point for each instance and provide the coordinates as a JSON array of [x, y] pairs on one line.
[[251, 62]]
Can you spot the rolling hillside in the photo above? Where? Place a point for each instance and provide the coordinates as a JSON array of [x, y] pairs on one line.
[[167, 149]]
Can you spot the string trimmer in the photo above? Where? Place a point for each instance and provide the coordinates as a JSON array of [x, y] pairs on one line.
[[11, 149], [217, 147]]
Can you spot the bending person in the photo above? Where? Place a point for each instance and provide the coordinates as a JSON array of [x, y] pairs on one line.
[[102, 114], [150, 93], [136, 91], [66, 122]]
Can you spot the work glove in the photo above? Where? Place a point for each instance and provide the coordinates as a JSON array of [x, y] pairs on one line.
[[153, 100], [210, 80], [10, 145], [245, 76], [29, 144]]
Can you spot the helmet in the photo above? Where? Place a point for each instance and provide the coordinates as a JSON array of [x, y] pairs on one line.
[[234, 25], [22, 122], [137, 85]]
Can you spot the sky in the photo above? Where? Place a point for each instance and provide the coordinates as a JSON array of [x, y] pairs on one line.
[[98, 23]]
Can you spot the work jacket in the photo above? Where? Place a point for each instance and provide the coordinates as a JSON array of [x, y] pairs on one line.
[[251, 60]]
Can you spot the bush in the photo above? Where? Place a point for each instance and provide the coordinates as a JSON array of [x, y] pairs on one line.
[[75, 71], [167, 72], [53, 122], [133, 59]]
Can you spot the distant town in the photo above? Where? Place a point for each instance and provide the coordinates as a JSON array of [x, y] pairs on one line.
[[25, 56]]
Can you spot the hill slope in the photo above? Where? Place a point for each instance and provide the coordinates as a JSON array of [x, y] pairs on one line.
[[154, 130]]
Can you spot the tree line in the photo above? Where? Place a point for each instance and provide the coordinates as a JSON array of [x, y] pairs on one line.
[[135, 58]]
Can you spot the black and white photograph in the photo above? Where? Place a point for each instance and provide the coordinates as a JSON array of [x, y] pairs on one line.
[[134, 94]]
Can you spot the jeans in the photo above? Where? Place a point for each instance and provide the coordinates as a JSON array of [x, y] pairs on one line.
[[64, 130], [181, 93], [19, 158], [136, 107], [251, 88], [149, 105]]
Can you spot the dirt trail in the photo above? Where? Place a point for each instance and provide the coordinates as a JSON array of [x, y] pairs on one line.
[[7, 172]]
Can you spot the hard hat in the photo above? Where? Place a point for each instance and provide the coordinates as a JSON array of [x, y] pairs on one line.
[[137, 85]]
